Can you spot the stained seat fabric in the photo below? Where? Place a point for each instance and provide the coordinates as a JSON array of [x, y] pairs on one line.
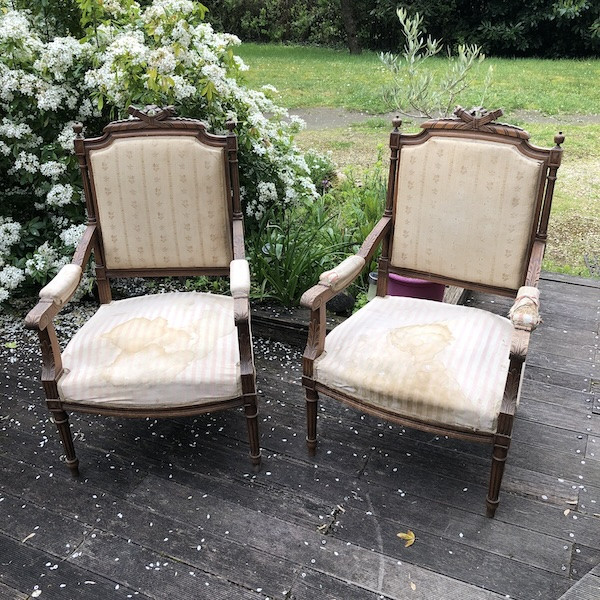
[[173, 349], [436, 362]]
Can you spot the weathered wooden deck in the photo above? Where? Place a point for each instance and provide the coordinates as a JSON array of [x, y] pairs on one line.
[[171, 509]]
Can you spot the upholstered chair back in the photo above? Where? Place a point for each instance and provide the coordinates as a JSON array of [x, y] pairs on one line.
[[466, 209], [162, 201]]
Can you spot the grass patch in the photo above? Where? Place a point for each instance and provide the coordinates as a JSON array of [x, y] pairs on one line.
[[309, 77]]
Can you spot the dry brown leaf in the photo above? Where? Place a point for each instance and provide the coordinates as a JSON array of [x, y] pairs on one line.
[[413, 587], [409, 536]]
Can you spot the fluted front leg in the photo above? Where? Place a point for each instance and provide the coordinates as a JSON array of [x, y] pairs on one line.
[[312, 399], [251, 410], [61, 418], [499, 454]]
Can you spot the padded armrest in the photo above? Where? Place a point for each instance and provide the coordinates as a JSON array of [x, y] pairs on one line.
[[239, 272], [524, 313], [342, 275], [60, 289]]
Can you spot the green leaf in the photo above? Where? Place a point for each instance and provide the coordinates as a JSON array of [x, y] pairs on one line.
[[10, 345], [409, 536]]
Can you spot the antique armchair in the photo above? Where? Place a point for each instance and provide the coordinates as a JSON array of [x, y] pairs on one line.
[[468, 202], [162, 199]]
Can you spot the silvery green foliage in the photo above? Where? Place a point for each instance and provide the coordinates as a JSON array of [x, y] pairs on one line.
[[162, 54], [415, 91]]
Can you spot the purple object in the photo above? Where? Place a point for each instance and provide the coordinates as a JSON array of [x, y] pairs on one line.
[[415, 288]]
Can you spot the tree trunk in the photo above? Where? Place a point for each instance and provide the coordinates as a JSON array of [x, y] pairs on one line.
[[350, 26]]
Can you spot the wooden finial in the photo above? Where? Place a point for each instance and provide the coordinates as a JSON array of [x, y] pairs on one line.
[[78, 129], [230, 126], [397, 123], [559, 138]]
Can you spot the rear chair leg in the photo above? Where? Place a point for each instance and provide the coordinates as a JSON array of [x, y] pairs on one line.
[[251, 410], [499, 454], [61, 418], [312, 399]]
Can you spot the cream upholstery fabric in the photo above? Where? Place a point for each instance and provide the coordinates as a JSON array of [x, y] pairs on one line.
[[62, 285], [171, 350], [465, 210], [342, 275], [162, 202], [524, 313], [239, 271], [440, 363]]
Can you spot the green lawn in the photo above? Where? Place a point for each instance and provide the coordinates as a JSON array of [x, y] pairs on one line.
[[308, 77], [317, 77]]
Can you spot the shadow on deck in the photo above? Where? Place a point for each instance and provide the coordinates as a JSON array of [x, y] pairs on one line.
[[171, 509]]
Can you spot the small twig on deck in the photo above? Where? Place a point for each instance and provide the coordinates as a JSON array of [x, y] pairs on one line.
[[325, 528]]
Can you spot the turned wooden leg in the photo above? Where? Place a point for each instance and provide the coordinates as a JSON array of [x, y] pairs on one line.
[[312, 399], [499, 454], [251, 409], [61, 418]]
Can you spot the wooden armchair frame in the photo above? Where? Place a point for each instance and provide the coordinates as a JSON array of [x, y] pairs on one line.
[[155, 122], [466, 126]]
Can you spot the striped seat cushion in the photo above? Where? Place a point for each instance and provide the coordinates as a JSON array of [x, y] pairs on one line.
[[175, 349], [439, 363]]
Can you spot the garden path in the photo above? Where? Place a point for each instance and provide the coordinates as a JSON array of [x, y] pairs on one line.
[[329, 118]]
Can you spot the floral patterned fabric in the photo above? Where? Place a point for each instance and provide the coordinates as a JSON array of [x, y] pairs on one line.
[[465, 209], [162, 202]]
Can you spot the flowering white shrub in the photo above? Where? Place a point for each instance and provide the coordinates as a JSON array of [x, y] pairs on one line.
[[161, 54]]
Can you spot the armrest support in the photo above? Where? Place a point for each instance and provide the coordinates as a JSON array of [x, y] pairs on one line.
[[345, 273], [519, 344], [239, 273], [62, 287], [534, 268], [55, 294], [374, 238], [239, 284], [331, 282], [524, 313]]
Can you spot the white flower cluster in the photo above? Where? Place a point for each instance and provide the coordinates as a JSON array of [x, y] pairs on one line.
[[45, 260], [163, 60], [26, 162], [60, 194], [52, 169], [266, 196], [59, 56], [113, 7], [72, 235], [51, 97], [162, 8], [66, 137], [14, 28], [11, 277], [10, 234], [17, 131]]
